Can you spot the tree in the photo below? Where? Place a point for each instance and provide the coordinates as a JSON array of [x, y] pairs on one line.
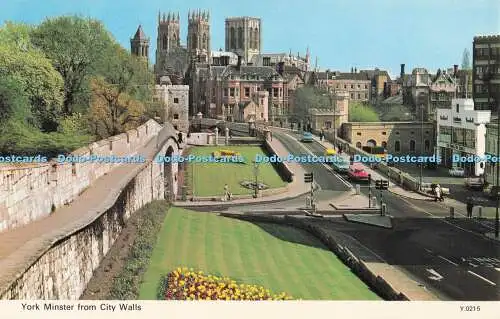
[[308, 97], [466, 60], [362, 113], [43, 84], [14, 102], [16, 35], [113, 111], [75, 46]]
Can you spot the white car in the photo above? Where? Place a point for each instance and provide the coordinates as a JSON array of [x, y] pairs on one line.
[[456, 172]]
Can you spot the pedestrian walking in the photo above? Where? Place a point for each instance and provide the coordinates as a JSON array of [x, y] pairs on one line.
[[179, 137], [437, 192], [470, 206], [226, 192]]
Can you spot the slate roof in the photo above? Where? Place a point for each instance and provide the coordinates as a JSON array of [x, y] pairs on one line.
[[139, 34], [352, 76]]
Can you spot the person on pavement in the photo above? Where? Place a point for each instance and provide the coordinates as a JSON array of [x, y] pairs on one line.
[[438, 193], [470, 206]]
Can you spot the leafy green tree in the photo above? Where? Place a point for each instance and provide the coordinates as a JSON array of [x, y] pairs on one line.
[[308, 97], [362, 113], [75, 46], [16, 35], [39, 79]]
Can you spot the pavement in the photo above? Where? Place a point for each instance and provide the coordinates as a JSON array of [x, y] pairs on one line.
[[418, 224], [374, 220]]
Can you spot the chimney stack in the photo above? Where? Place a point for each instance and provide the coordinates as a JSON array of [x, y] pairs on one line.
[[238, 66], [402, 74], [455, 69]]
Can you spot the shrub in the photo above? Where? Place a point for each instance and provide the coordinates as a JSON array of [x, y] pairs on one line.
[[126, 284]]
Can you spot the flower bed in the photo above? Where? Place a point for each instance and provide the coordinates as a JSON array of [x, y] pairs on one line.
[[186, 284]]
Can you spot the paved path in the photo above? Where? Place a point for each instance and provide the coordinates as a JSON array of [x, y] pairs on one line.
[[20, 247]]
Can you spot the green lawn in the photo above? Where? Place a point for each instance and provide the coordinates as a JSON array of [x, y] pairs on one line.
[[210, 178], [297, 264]]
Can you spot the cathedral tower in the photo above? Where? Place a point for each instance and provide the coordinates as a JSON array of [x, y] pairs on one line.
[[198, 39], [139, 44], [168, 35], [243, 36]]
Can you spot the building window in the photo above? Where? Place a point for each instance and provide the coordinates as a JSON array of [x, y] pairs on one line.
[[359, 86], [384, 144], [397, 146], [458, 108], [275, 92], [427, 145], [232, 38], [176, 100], [176, 116], [266, 61], [261, 115], [412, 132], [358, 145], [412, 146], [231, 92], [352, 96], [359, 96], [352, 86], [366, 86], [358, 134], [224, 92], [397, 132], [240, 38], [345, 86], [384, 133], [247, 92]]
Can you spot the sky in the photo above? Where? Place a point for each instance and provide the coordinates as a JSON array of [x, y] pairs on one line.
[[341, 33]]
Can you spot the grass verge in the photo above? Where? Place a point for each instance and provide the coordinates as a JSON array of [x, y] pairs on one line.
[[209, 178], [278, 257]]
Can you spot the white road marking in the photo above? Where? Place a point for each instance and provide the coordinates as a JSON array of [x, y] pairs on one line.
[[441, 219], [427, 250], [435, 275], [346, 183], [473, 265], [451, 262], [481, 277], [497, 269]]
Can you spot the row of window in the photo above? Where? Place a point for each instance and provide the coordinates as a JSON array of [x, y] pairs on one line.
[[233, 92], [352, 86], [360, 96], [487, 51], [457, 135]]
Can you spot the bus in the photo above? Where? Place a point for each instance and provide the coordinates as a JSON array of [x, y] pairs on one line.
[[378, 151]]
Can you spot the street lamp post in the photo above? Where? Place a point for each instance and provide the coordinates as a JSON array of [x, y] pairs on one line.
[[497, 223], [256, 174], [421, 142]]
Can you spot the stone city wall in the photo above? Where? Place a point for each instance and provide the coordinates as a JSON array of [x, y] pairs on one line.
[[30, 192], [64, 269]]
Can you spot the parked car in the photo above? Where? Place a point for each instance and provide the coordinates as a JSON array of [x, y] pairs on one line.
[[357, 173], [474, 183], [457, 172], [307, 137]]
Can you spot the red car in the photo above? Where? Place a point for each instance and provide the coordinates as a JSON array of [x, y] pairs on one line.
[[357, 173]]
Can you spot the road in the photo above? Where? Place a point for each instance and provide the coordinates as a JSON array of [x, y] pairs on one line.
[[452, 258]]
